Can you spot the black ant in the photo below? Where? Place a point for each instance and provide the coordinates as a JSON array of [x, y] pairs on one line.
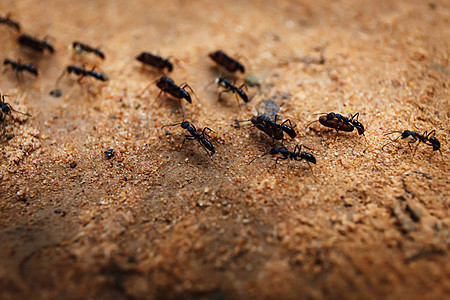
[[293, 155], [168, 86], [7, 109], [155, 61], [411, 137], [229, 87], [8, 22], [35, 44], [194, 135], [81, 72], [340, 123], [227, 62], [81, 48], [21, 67], [271, 128]]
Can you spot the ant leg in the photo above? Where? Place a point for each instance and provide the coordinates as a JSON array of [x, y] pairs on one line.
[[286, 121], [244, 85], [356, 115], [433, 132]]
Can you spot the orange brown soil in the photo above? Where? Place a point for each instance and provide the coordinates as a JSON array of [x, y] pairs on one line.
[[159, 222]]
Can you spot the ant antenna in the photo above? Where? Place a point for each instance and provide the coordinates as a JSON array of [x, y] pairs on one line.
[[391, 142], [258, 157], [178, 122]]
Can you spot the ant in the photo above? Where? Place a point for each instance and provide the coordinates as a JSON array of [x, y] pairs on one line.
[[81, 72], [227, 62], [35, 44], [82, 49], [168, 86], [7, 109], [21, 67], [271, 128], [229, 87], [155, 61], [339, 122], [8, 22], [411, 137], [292, 155], [194, 135]]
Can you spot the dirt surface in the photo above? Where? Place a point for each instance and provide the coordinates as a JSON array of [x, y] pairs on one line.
[[156, 221]]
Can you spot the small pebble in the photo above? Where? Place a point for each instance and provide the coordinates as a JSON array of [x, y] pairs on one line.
[[73, 165]]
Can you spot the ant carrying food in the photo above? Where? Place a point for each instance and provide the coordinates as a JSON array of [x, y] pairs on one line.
[[227, 62], [82, 49], [194, 135], [340, 123], [292, 155], [272, 128], [18, 67], [411, 137], [168, 86], [155, 61], [8, 22], [229, 87], [81, 72], [35, 44], [7, 109]]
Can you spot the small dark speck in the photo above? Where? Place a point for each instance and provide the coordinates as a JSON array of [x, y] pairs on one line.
[[168, 133], [9, 137], [56, 93], [73, 165], [59, 211], [132, 259], [112, 117], [109, 153], [432, 5]]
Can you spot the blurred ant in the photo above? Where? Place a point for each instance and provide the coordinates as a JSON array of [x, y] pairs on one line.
[[155, 61], [7, 109], [82, 49], [411, 137], [35, 44], [18, 67], [81, 72], [292, 155], [227, 62], [168, 86], [340, 123], [271, 128], [8, 22], [229, 87], [194, 135]]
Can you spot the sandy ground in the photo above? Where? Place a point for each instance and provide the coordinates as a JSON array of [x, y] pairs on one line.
[[157, 221]]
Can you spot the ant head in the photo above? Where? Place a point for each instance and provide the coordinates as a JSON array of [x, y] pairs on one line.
[[331, 115], [5, 108], [275, 150], [435, 142], [406, 134], [168, 65], [308, 157], [240, 67], [358, 127], [184, 124]]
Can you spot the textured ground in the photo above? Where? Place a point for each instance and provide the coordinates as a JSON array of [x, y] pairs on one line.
[[159, 222]]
